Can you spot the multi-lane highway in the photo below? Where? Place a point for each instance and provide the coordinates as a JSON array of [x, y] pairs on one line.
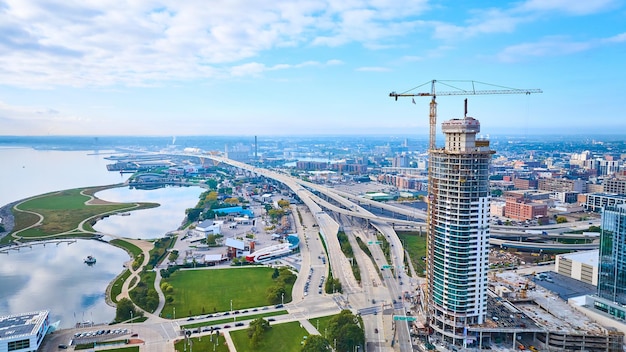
[[361, 297]]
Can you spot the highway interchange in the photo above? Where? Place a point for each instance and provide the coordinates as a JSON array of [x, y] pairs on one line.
[[378, 298]]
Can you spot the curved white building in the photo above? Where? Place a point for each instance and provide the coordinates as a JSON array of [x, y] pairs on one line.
[[275, 251], [458, 231]]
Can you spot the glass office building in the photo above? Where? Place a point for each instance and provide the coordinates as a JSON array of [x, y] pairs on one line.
[[612, 263]]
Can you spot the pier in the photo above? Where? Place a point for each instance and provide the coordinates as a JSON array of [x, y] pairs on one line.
[[17, 247]]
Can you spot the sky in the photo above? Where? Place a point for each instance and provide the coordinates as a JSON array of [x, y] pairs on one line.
[[311, 67]]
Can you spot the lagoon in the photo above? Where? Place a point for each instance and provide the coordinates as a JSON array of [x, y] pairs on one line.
[[54, 277], [148, 223]]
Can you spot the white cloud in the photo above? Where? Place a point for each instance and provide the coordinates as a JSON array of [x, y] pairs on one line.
[[145, 42], [373, 69], [618, 38], [508, 18], [555, 46], [585, 7]]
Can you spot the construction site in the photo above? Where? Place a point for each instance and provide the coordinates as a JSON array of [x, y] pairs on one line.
[[523, 315]]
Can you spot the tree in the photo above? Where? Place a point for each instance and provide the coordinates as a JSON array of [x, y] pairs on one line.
[[231, 201], [283, 203], [345, 328], [275, 214], [123, 309], [211, 183], [561, 220], [173, 256], [211, 240], [193, 214], [256, 330], [316, 343], [276, 293]]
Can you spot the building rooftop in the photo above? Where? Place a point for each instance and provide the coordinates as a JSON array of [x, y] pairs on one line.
[[24, 324], [585, 257]]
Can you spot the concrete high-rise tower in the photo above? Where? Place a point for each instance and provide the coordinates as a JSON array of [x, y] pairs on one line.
[[458, 230]]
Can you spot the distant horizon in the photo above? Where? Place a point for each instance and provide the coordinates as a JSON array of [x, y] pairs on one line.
[[493, 134]]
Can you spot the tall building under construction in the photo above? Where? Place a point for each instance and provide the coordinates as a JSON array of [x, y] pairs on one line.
[[458, 237]]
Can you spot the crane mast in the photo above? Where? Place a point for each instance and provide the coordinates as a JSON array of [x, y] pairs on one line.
[[458, 91]]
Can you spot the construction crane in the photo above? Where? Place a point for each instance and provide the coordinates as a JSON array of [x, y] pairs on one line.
[[433, 128], [458, 91]]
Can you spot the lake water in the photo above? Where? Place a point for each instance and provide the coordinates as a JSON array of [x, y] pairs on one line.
[[28, 172], [54, 277], [148, 223]]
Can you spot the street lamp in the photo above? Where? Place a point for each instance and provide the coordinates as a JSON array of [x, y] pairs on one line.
[[282, 298], [131, 316]]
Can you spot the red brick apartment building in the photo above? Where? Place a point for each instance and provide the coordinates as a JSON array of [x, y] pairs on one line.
[[523, 209]]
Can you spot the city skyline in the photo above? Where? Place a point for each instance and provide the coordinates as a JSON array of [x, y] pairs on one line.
[[301, 68]]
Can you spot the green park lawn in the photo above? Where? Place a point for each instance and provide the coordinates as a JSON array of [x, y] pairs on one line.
[[285, 337], [63, 211], [204, 343], [321, 323], [211, 290], [129, 247], [416, 246]]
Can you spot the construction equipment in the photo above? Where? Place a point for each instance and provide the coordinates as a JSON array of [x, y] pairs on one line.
[[458, 91], [432, 145]]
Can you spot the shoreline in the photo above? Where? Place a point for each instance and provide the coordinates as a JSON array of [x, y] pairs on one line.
[[8, 220]]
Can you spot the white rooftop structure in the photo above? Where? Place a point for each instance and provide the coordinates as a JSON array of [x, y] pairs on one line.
[[585, 257], [212, 258], [23, 332], [231, 242]]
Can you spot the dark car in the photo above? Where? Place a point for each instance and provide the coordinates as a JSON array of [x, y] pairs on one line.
[[239, 324], [226, 326], [63, 347], [134, 335]]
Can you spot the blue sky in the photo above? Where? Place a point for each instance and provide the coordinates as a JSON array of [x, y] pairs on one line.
[[224, 67]]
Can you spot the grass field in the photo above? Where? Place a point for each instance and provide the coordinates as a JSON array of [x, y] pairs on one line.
[[416, 246], [286, 337], [122, 349], [204, 343], [231, 319], [321, 323], [116, 287], [62, 211], [129, 247], [207, 291]]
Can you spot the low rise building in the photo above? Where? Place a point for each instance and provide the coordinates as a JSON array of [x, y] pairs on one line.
[[615, 185], [23, 332], [524, 209], [582, 266], [597, 201]]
